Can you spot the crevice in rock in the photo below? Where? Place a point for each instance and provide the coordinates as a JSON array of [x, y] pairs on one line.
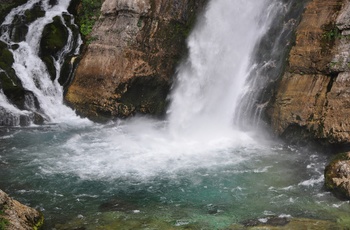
[[333, 78]]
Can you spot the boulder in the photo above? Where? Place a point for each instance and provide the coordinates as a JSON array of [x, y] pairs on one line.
[[337, 175], [16, 216]]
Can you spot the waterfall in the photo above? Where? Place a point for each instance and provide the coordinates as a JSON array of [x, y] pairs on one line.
[[210, 85], [269, 60], [29, 67], [212, 79]]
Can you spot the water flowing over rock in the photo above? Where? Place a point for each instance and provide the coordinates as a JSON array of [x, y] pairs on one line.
[[312, 101], [38, 44], [16, 216], [129, 64]]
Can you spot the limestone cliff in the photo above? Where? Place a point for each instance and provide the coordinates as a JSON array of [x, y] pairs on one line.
[[312, 100], [132, 56]]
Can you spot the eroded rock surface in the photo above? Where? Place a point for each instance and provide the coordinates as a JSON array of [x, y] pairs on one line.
[[129, 64], [16, 216], [312, 101], [337, 175]]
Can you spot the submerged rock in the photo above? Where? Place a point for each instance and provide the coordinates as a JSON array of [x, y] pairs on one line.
[[279, 223], [337, 175], [15, 216]]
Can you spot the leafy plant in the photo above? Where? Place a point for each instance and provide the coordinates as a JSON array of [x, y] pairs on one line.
[[3, 222], [332, 34], [88, 14]]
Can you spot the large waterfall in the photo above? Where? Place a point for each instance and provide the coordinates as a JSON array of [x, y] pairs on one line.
[[196, 169], [211, 81]]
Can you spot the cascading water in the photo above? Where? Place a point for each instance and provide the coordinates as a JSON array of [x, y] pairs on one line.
[[29, 67], [268, 64], [195, 170]]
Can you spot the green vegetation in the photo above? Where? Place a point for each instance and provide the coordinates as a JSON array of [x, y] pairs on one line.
[[88, 14], [330, 35], [39, 222], [3, 222]]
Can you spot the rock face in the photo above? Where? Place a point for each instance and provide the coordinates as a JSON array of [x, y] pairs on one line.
[[337, 175], [129, 64], [16, 216], [312, 100]]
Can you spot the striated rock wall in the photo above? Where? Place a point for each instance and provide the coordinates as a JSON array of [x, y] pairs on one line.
[[129, 64], [313, 96]]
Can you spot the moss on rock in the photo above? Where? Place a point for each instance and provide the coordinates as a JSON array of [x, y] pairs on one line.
[[54, 39], [9, 82], [19, 26], [7, 5]]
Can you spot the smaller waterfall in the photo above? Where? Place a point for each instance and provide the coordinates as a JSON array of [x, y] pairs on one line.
[[29, 67], [270, 56]]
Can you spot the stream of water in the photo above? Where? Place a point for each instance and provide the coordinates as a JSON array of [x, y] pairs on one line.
[[193, 170]]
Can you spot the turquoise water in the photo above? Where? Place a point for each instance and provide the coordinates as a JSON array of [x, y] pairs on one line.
[[95, 176], [191, 171]]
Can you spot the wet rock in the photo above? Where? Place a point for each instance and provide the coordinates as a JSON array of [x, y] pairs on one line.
[[19, 26], [337, 176], [312, 99], [15, 216], [54, 39], [7, 5]]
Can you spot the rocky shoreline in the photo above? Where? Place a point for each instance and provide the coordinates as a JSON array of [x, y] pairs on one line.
[[16, 216]]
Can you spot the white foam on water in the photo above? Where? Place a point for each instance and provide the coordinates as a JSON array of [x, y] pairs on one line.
[[198, 132], [144, 149], [312, 181]]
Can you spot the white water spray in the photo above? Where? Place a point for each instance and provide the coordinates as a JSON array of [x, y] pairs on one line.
[[212, 79], [199, 132], [31, 70]]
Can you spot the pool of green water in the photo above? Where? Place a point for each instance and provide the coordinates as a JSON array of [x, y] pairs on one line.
[[113, 177]]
